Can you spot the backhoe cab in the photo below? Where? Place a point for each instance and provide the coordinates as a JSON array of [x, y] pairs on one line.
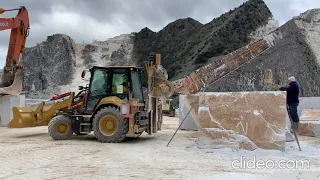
[[112, 108]]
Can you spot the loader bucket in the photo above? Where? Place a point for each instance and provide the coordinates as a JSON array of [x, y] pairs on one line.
[[27, 116], [40, 115], [22, 117], [10, 85]]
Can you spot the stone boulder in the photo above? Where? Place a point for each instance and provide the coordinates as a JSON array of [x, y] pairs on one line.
[[48, 66], [310, 122], [259, 116], [215, 138]]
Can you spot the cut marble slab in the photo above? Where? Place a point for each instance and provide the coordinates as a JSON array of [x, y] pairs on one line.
[[310, 122], [260, 116]]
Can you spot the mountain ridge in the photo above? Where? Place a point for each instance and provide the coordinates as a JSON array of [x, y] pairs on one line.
[[204, 41], [185, 45], [296, 53]]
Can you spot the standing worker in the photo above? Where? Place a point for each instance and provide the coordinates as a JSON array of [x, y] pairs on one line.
[[293, 100]]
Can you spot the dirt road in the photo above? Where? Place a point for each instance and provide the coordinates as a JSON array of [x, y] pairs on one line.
[[31, 153]]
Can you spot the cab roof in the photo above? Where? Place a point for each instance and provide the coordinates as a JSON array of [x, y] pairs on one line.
[[120, 67], [117, 67]]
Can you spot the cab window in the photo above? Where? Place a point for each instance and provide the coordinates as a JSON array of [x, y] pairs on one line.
[[136, 85], [99, 83], [120, 84], [98, 88]]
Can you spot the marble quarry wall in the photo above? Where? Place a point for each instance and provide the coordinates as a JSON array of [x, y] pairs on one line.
[[245, 120]]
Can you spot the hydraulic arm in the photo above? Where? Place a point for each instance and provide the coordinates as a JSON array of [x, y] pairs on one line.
[[11, 78]]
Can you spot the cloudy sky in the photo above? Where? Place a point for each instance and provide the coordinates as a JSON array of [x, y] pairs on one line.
[[85, 20]]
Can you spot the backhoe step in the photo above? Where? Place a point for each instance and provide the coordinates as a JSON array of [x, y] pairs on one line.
[[84, 116], [85, 124]]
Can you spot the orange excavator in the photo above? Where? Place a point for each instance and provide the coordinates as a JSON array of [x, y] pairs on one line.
[[10, 83]]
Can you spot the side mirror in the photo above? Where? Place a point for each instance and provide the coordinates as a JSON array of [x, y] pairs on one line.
[[80, 87], [83, 74]]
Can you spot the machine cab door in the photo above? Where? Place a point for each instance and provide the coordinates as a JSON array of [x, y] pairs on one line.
[[98, 87], [120, 83], [137, 85]]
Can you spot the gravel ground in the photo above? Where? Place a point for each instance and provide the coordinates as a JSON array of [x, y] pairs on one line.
[[31, 153]]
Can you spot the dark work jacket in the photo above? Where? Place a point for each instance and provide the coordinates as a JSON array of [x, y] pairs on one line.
[[292, 92]]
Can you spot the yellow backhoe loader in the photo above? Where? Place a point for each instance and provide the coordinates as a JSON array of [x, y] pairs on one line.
[[112, 105]]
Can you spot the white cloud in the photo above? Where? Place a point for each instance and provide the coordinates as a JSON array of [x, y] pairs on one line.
[[3, 55], [79, 27], [302, 6], [284, 10]]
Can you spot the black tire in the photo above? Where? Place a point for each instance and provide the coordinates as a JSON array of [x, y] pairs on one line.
[[121, 130], [53, 125]]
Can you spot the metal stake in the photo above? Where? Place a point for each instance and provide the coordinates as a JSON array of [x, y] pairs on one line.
[[180, 124], [205, 87]]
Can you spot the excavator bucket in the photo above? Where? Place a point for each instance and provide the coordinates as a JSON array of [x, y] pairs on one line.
[[38, 116], [11, 85]]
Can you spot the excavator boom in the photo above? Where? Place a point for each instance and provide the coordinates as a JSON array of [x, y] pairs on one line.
[[10, 82]]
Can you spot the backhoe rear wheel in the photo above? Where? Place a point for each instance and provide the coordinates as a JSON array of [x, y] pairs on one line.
[[59, 127], [109, 126]]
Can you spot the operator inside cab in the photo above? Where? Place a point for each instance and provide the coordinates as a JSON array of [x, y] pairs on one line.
[[118, 82]]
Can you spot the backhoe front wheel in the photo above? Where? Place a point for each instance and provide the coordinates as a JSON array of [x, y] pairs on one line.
[[109, 126], [59, 127]]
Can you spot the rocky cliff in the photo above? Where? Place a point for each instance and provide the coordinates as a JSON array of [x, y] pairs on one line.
[[114, 51], [297, 53], [55, 65], [186, 44], [48, 65]]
